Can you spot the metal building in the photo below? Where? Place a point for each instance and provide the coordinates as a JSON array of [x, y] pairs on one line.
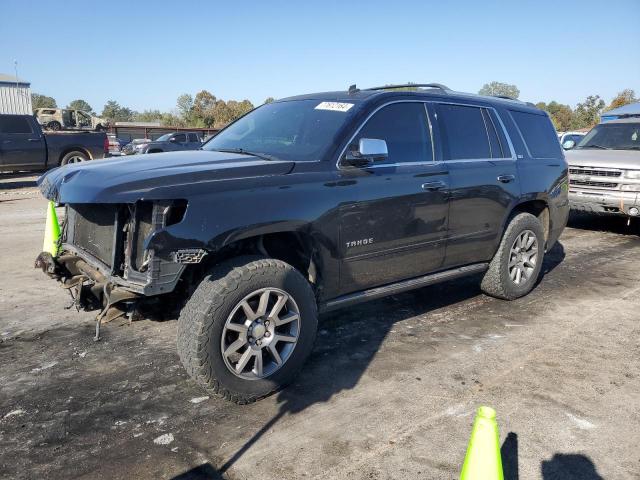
[[15, 95]]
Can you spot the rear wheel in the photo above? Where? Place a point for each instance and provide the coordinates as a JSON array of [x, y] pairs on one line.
[[515, 268], [74, 157], [248, 328]]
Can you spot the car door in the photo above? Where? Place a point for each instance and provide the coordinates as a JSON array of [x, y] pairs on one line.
[[483, 180], [20, 145], [194, 142], [179, 141], [397, 227]]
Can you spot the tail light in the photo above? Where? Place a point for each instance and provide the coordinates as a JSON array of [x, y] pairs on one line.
[[105, 145]]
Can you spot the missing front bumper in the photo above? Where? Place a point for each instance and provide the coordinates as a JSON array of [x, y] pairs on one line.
[[89, 288]]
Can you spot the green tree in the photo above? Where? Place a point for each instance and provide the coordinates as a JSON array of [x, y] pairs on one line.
[[269, 100], [625, 97], [42, 101], [587, 113], [185, 107], [203, 108], [498, 88], [112, 111], [561, 115], [80, 105]]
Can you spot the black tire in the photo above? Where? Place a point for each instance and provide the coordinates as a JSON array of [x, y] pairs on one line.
[[498, 281], [54, 126], [75, 156], [202, 322]]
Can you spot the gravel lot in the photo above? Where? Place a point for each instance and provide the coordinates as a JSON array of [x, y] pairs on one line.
[[389, 392]]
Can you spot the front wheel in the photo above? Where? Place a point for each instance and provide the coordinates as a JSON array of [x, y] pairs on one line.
[[515, 268], [248, 328]]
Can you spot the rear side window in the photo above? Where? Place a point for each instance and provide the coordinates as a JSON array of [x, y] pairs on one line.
[[14, 124], [538, 134], [193, 137], [463, 132], [405, 129]]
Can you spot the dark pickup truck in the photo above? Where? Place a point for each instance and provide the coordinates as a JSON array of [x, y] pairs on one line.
[[309, 204], [169, 142], [23, 145]]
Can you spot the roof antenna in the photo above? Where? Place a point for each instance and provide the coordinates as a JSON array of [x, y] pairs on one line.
[[353, 89]]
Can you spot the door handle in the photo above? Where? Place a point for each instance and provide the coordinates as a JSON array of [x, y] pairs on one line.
[[433, 186], [506, 178], [34, 140]]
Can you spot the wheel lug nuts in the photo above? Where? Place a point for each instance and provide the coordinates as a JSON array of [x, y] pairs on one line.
[[267, 334], [258, 342]]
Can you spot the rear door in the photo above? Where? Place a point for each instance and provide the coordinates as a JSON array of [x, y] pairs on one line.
[[20, 144], [397, 227], [483, 181], [193, 141]]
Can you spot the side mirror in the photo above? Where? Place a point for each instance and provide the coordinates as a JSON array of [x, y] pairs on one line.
[[173, 139], [369, 150], [569, 144]]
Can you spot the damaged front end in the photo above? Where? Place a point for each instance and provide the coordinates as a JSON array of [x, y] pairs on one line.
[[104, 261]]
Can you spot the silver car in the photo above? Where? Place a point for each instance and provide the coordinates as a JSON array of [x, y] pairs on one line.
[[604, 169]]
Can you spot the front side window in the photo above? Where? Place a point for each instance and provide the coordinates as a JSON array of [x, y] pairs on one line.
[[463, 132], [405, 129], [612, 136], [299, 130], [538, 134], [180, 138]]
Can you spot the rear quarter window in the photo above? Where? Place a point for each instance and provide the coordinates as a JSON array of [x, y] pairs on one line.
[[538, 134]]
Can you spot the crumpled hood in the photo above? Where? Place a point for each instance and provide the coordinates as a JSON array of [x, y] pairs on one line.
[[592, 157], [159, 176]]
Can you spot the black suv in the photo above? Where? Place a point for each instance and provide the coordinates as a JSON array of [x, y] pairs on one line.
[[309, 204]]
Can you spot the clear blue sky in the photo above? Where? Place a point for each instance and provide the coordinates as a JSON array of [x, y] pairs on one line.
[[145, 54]]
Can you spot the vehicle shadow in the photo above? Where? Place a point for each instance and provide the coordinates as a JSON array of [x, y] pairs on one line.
[[201, 472], [569, 466], [349, 339], [17, 184], [604, 223]]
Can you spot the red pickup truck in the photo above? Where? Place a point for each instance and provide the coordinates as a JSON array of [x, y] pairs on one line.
[[23, 145]]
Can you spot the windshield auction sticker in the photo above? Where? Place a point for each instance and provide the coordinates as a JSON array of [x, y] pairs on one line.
[[334, 106]]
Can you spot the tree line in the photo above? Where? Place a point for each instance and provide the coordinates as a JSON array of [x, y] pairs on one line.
[[205, 110], [585, 115]]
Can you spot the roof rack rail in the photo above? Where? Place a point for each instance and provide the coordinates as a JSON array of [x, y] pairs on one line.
[[438, 86], [507, 97]]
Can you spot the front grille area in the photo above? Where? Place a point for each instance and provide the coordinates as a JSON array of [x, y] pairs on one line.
[[595, 173], [92, 229], [586, 183]]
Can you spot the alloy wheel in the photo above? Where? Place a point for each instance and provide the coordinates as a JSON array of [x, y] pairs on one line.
[[260, 333], [523, 257]]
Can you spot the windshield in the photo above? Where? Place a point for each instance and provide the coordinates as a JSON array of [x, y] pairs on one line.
[[300, 130], [164, 138], [615, 136]]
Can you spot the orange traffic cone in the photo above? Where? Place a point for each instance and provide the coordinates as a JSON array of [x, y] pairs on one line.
[[483, 461], [51, 231]]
